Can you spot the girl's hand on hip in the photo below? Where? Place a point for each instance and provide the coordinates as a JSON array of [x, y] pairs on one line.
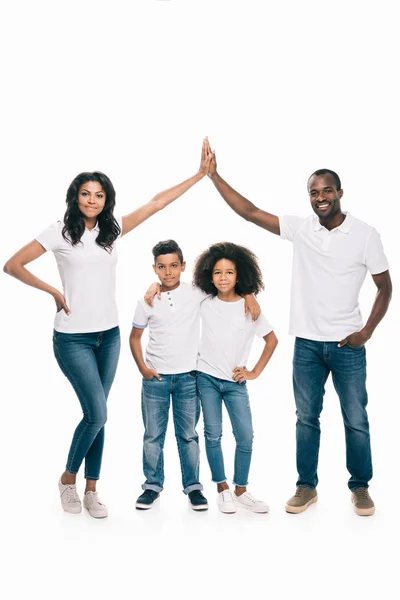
[[241, 374]]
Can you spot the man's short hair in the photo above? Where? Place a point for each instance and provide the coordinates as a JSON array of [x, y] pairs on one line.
[[327, 172]]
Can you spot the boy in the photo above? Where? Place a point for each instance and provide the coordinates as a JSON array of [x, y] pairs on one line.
[[169, 371]]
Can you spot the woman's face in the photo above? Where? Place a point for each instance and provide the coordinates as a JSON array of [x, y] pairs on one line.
[[91, 199], [224, 275]]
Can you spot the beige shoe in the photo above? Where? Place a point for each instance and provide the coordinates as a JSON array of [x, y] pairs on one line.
[[301, 500], [70, 500], [363, 503], [92, 503]]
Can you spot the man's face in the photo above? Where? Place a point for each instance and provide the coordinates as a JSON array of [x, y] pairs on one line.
[[168, 269], [324, 197]]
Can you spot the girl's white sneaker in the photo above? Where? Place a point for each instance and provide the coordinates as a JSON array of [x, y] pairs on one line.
[[226, 504], [246, 500], [70, 500]]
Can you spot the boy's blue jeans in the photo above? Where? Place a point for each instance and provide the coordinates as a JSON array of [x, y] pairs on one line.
[[312, 363], [89, 361], [213, 392], [156, 396]]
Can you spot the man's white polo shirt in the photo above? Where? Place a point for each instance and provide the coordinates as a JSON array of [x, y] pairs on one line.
[[87, 273], [174, 329], [329, 268]]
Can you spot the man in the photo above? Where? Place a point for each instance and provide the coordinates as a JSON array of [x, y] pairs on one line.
[[332, 253]]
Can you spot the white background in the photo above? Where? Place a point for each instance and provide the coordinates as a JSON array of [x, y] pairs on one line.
[[131, 88]]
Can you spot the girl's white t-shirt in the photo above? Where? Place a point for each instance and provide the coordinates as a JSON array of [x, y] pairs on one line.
[[226, 336], [87, 274]]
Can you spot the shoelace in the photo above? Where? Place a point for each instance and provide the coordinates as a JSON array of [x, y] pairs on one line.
[[71, 494], [226, 496], [95, 498], [299, 492], [249, 497], [362, 493]]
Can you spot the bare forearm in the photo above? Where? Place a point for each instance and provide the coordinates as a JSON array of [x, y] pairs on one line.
[[244, 207], [268, 351], [379, 308], [162, 199], [22, 274], [137, 353]]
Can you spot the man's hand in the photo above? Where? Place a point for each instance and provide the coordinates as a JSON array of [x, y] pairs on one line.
[[60, 302], [150, 373], [212, 169], [153, 291], [251, 305], [241, 374], [355, 340]]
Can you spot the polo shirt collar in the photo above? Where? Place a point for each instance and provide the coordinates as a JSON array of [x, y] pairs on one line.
[[344, 227]]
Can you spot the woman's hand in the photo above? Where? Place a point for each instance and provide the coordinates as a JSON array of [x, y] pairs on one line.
[[153, 291], [241, 374], [60, 302], [206, 157], [212, 169]]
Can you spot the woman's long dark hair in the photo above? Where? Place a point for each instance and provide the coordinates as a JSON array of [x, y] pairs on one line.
[[249, 276], [74, 225]]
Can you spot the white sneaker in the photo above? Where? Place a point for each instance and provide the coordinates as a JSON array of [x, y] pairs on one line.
[[226, 503], [246, 500], [70, 500], [96, 509]]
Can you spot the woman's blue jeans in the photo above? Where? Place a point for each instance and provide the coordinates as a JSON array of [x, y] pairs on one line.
[[89, 361], [312, 363], [213, 392]]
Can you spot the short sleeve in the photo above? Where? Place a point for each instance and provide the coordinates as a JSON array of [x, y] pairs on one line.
[[375, 257], [140, 318], [50, 237], [262, 327], [289, 226]]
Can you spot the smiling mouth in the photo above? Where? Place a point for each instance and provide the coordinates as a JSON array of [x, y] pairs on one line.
[[323, 205]]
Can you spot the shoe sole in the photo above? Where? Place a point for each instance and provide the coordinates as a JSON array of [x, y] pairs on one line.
[[364, 512], [259, 512], [295, 510], [95, 516], [72, 511], [140, 506], [227, 512], [198, 508]]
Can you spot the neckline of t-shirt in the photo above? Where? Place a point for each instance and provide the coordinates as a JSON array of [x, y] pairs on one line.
[[225, 302]]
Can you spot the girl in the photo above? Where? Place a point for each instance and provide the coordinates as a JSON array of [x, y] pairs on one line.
[[86, 335], [228, 271]]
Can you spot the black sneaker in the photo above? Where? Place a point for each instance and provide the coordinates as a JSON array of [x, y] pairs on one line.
[[197, 500], [147, 499]]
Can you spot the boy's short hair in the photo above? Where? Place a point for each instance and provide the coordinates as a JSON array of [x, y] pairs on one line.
[[167, 247]]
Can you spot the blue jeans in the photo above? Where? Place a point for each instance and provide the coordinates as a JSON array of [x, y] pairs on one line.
[[213, 392], [156, 396], [312, 363], [89, 361]]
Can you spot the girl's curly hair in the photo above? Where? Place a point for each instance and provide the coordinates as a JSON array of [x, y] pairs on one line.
[[74, 225], [249, 276]]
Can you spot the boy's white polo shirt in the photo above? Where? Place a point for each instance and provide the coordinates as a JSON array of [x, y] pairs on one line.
[[174, 329], [87, 273], [226, 336], [329, 268]]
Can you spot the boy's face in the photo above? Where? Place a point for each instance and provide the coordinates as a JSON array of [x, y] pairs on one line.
[[168, 269]]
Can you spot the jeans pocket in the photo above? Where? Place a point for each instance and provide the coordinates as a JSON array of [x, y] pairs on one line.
[[355, 347]]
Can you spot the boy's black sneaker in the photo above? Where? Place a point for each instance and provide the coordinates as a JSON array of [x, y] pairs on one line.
[[197, 500], [147, 499]]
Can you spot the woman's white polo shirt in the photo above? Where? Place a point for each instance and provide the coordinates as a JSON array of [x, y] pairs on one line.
[[87, 273]]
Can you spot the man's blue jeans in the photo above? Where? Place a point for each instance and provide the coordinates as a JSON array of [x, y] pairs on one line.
[[312, 363], [156, 397], [213, 392], [89, 361]]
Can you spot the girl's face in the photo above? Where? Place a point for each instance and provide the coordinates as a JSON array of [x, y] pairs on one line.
[[224, 275], [91, 199]]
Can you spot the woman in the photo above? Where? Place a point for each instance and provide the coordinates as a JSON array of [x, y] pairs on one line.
[[86, 335], [227, 272]]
